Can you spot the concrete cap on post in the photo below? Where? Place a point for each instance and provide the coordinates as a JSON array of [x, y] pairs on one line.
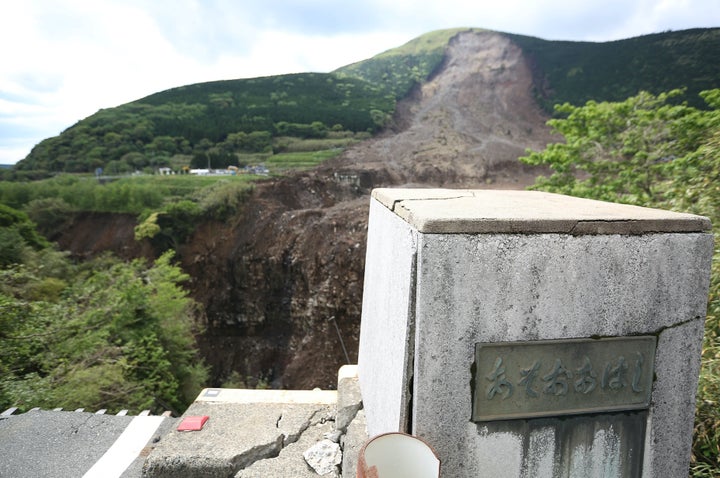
[[448, 211]]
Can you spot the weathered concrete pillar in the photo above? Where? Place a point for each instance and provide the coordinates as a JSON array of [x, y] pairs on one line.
[[526, 334]]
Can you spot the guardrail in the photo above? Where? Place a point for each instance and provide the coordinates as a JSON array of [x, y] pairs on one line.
[[145, 413]]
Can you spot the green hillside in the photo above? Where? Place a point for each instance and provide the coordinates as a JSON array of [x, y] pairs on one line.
[[260, 103], [218, 120], [236, 122], [575, 72]]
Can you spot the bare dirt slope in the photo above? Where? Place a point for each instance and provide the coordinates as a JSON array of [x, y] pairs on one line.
[[288, 269], [466, 126]]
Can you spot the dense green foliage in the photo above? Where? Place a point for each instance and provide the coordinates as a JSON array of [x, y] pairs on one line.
[[16, 231], [104, 334], [647, 151], [215, 121], [576, 72], [264, 104], [51, 199]]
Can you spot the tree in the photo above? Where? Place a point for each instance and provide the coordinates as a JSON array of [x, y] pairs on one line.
[[648, 151], [169, 228], [118, 166], [213, 159], [622, 151], [254, 142], [50, 214], [105, 334], [12, 246], [379, 118], [148, 228], [19, 221], [135, 159]]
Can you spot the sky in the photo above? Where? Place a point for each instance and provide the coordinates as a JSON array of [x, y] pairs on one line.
[[63, 60]]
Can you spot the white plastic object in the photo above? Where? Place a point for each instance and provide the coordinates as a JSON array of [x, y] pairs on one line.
[[397, 455]]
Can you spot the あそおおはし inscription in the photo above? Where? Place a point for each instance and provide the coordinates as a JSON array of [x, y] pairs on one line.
[[562, 377]]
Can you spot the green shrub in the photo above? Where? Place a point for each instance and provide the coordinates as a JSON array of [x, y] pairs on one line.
[[49, 213], [12, 247], [18, 221], [224, 198], [108, 334]]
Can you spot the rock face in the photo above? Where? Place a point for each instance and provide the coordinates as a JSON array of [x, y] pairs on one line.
[[282, 281], [282, 284]]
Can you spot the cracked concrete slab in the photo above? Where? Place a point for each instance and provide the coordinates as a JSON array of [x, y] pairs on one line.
[[290, 461], [235, 437]]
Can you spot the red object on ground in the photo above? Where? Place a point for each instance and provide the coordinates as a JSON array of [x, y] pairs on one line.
[[192, 424]]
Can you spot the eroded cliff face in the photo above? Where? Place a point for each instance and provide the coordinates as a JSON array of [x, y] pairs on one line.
[[89, 234], [282, 281], [278, 280]]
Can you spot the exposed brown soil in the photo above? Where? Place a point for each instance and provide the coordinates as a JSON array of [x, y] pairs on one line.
[[279, 277], [90, 234]]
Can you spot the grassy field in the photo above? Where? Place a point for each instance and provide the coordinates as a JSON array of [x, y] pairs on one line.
[[131, 194], [283, 162]]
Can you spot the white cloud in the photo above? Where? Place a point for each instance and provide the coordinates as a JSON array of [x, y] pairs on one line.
[[276, 52]]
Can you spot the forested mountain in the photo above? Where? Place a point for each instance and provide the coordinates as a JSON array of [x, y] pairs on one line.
[[576, 72], [216, 122]]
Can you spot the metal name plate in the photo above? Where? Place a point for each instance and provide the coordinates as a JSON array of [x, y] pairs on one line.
[[562, 377]]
